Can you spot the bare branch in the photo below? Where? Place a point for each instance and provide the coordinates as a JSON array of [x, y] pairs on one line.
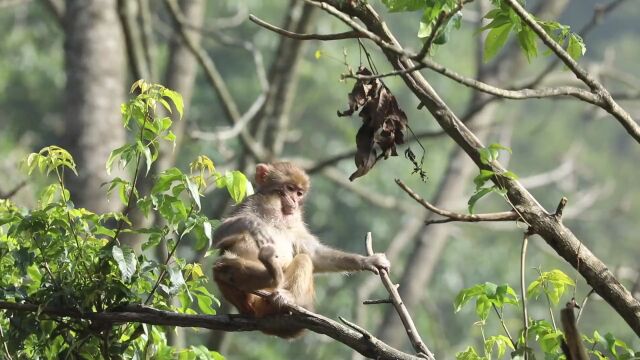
[[232, 21], [57, 8], [558, 236], [412, 332], [434, 31], [599, 96], [367, 346], [294, 35], [598, 13], [372, 197], [573, 347], [215, 79], [604, 99], [9, 194], [452, 216]]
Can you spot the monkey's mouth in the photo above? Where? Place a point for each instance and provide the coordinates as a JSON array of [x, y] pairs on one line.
[[288, 211]]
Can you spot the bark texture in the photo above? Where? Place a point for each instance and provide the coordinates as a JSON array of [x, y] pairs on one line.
[[94, 64]]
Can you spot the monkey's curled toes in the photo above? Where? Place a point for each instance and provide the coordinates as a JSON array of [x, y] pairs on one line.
[[225, 269], [282, 298]]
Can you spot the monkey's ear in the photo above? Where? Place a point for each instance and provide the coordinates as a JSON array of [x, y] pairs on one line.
[[262, 171]]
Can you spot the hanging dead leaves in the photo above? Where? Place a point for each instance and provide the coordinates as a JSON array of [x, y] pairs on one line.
[[383, 122]]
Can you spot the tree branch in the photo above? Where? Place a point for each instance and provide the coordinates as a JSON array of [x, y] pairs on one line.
[[367, 346], [558, 236], [604, 99], [416, 341], [215, 79], [293, 35], [600, 98], [452, 216]]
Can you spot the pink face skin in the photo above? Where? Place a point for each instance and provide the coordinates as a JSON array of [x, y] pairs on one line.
[[291, 198]]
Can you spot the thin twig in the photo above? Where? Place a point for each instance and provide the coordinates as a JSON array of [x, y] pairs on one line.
[[11, 193], [598, 14], [428, 63], [434, 31], [452, 216], [4, 345], [375, 302], [523, 291], [584, 303], [214, 77], [604, 99], [403, 313], [293, 35], [504, 326]]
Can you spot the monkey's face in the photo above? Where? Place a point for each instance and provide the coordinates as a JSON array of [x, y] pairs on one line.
[[291, 198]]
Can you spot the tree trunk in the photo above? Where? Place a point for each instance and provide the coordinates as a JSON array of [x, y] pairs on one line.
[[94, 64]]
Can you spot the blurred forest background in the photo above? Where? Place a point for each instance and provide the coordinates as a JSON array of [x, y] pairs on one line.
[[64, 71]]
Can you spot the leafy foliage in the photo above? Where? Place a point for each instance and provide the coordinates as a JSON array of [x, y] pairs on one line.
[[549, 339], [503, 21], [487, 156], [56, 255]]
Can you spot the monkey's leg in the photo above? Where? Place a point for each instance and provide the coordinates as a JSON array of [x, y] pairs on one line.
[[299, 281], [267, 256], [297, 289], [243, 274]]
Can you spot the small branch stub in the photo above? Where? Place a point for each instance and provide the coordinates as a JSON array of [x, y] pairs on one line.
[[560, 208]]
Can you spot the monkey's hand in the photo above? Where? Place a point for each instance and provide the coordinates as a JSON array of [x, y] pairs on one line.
[[376, 262]]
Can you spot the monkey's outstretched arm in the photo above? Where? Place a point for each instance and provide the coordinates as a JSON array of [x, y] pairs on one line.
[[327, 259]]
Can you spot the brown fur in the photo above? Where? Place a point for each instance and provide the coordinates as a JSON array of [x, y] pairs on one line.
[[265, 245]]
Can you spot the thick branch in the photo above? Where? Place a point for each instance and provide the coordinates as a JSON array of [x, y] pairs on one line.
[[367, 346], [559, 237]]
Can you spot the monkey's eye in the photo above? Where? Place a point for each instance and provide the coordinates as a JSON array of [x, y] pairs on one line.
[[300, 193], [291, 188]]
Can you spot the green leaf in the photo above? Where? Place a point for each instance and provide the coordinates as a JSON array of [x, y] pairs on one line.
[[501, 343], [126, 260], [467, 294], [115, 154], [469, 354], [176, 278], [477, 196], [483, 177], [166, 180], [551, 342], [497, 146], [193, 191], [496, 38], [527, 40], [404, 5], [236, 183], [576, 47], [483, 306], [176, 98]]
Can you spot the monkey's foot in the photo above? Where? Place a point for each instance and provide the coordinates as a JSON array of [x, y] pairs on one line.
[[282, 298], [225, 270]]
